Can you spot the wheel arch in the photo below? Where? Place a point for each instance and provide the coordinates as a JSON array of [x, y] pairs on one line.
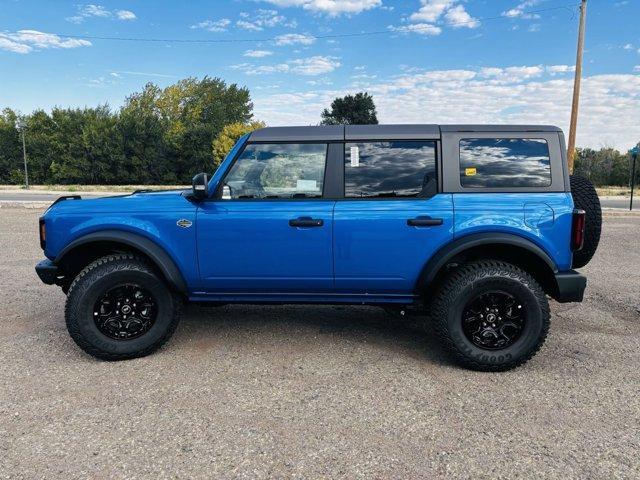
[[82, 251], [496, 246]]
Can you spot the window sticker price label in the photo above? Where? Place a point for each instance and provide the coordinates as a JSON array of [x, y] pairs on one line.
[[355, 157], [306, 185], [470, 172]]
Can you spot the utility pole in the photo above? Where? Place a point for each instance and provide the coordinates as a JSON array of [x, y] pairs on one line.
[[635, 151], [576, 87], [23, 127]]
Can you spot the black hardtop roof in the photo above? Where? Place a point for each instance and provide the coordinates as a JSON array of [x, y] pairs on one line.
[[382, 132]]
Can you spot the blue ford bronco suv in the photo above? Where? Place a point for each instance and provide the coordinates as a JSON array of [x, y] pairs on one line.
[[476, 226]]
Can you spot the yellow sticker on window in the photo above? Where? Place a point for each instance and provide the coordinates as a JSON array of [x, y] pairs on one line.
[[469, 172]]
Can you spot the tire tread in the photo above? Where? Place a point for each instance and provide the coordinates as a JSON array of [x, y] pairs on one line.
[[586, 198], [79, 286], [447, 296]]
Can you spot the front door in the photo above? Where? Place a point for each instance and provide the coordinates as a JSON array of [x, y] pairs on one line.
[[269, 230], [392, 219]]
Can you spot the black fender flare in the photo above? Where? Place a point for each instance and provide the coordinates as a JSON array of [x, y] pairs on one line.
[[156, 253], [449, 251]]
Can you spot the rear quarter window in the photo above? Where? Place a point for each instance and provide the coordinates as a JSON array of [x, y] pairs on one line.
[[504, 163]]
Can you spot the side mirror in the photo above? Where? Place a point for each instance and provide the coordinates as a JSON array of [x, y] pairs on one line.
[[200, 186]]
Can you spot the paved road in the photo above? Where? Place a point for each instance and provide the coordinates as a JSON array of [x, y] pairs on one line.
[[48, 197], [620, 203], [308, 392]]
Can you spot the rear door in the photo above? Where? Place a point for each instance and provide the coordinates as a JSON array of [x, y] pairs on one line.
[[392, 217]]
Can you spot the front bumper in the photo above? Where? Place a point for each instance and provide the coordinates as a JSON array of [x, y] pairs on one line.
[[47, 271], [570, 286]]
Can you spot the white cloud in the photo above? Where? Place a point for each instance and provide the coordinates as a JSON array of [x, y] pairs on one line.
[[519, 10], [636, 68], [295, 38], [247, 25], [363, 76], [142, 74], [458, 17], [511, 74], [10, 45], [431, 11], [262, 19], [330, 7], [213, 25], [304, 66], [421, 28], [125, 15], [558, 69], [531, 95], [315, 65], [91, 10], [26, 41], [257, 53]]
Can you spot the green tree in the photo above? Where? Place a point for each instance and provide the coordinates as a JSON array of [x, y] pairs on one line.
[[196, 112], [606, 166], [228, 137], [41, 143], [78, 145], [158, 136], [358, 109], [143, 132], [10, 147]]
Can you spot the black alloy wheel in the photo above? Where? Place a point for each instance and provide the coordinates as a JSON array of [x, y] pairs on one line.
[[493, 320], [125, 312]]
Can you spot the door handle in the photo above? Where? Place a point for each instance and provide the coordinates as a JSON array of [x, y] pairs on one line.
[[424, 222], [306, 222]]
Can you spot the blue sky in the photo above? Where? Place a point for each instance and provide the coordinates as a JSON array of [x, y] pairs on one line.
[[428, 61]]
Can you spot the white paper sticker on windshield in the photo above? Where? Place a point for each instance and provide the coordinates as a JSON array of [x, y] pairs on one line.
[[306, 185], [355, 156]]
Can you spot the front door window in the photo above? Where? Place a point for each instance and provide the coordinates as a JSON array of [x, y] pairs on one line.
[[275, 171]]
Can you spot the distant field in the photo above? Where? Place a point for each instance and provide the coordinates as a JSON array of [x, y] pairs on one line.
[[614, 191]]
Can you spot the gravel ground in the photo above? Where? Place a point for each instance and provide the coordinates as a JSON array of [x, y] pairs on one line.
[[304, 392]]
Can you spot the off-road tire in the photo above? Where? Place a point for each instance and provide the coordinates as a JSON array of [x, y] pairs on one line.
[[470, 280], [103, 274], [586, 198]]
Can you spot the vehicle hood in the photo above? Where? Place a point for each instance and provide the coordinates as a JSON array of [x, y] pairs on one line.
[[123, 204]]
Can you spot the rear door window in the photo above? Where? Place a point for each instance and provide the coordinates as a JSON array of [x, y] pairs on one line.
[[504, 163], [395, 169]]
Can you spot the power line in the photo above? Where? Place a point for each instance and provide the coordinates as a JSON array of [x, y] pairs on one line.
[[314, 37]]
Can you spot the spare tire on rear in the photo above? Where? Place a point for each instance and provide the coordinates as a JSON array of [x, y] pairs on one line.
[[586, 198]]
